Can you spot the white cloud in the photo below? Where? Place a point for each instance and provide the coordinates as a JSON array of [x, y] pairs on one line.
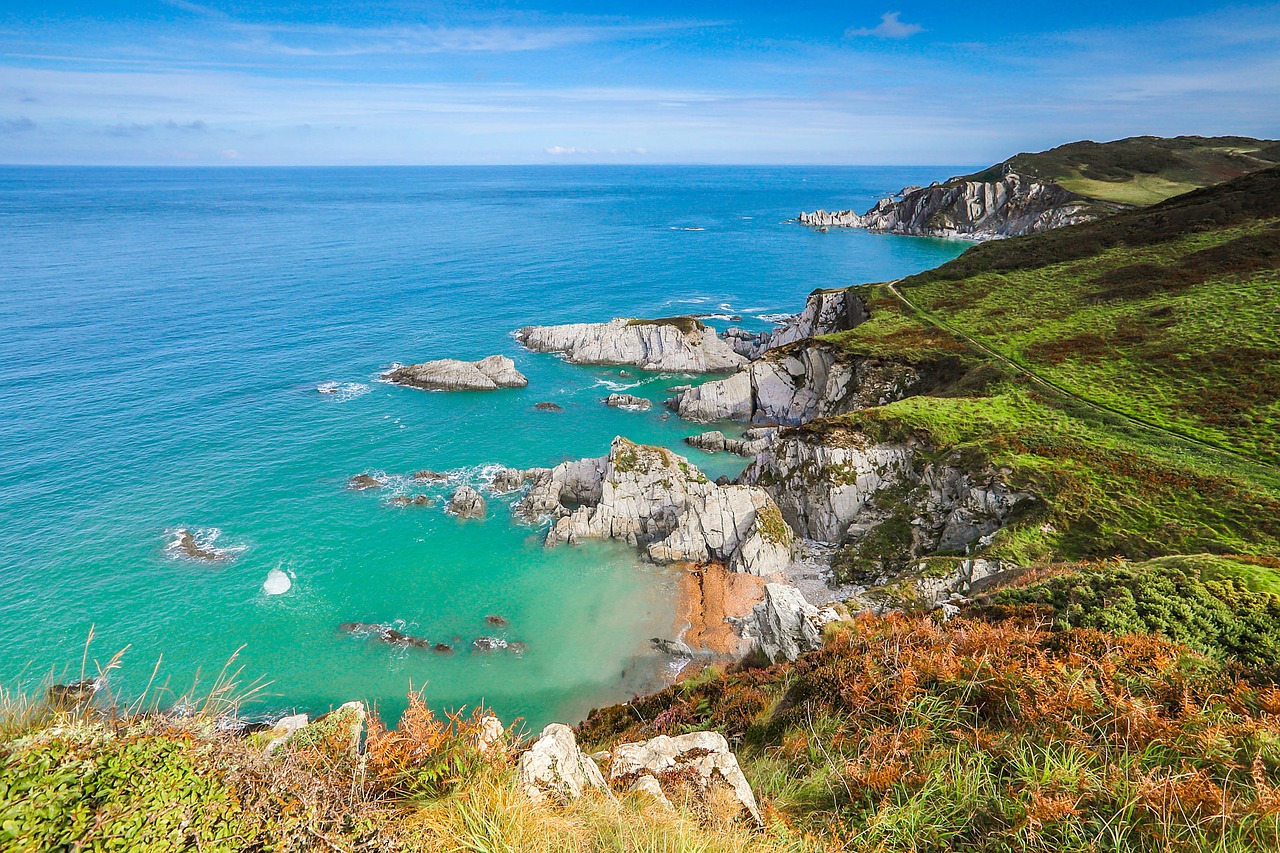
[[890, 27]]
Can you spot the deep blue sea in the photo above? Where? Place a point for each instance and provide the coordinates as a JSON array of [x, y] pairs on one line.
[[162, 337]]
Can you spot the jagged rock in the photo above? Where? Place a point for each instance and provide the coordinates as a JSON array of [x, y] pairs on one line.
[[629, 401], [784, 625], [701, 757], [678, 343], [797, 384], [555, 769], [674, 389], [822, 482], [1004, 205], [507, 480], [825, 312], [360, 482], [429, 476], [711, 442], [467, 503], [751, 443], [652, 498], [548, 407], [449, 374], [744, 343]]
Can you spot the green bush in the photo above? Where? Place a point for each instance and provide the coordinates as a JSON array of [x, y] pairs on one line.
[[85, 788], [1218, 606]]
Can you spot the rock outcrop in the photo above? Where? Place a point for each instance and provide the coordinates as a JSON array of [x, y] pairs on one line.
[[1002, 205], [628, 401], [796, 384], [785, 625], [678, 343], [555, 769], [834, 484], [466, 502], [752, 441], [656, 500], [702, 759], [449, 374], [825, 312]]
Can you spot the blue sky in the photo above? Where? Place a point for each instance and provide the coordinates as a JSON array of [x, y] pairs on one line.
[[370, 82]]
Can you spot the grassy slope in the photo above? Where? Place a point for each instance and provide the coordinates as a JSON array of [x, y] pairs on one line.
[[1144, 170], [1138, 318]]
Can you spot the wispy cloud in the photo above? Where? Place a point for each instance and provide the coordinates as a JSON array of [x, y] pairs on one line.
[[891, 26], [17, 125]]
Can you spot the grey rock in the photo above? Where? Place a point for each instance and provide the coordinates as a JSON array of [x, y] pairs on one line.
[[449, 374], [467, 503], [554, 768], [629, 401], [674, 344], [360, 482], [784, 625], [675, 648]]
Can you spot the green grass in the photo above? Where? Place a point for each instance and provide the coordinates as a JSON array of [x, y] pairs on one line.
[[1144, 331], [1139, 190]]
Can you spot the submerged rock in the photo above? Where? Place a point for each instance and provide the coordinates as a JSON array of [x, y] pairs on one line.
[[555, 769], [674, 343], [496, 621], [548, 407], [467, 503], [360, 482], [411, 500], [448, 374], [489, 644], [628, 401], [187, 544], [426, 475], [385, 633]]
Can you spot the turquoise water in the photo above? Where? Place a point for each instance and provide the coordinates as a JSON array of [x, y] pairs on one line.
[[162, 336]]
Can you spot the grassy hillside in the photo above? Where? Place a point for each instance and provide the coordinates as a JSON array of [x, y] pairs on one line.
[[1144, 170]]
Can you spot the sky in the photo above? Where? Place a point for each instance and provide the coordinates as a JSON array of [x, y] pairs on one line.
[[368, 82]]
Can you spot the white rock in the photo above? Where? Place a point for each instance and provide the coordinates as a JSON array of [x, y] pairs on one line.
[[784, 625], [554, 768], [677, 344], [285, 728], [450, 374], [703, 755]]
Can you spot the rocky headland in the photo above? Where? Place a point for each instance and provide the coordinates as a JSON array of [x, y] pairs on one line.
[[674, 343], [449, 374]]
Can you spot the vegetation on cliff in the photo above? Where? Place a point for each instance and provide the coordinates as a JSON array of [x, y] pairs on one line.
[[1141, 170]]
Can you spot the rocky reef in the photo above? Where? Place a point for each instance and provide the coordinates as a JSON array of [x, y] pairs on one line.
[[1004, 205], [449, 374], [676, 343], [655, 500]]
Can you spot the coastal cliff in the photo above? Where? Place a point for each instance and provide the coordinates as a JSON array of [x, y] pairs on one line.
[[1006, 206], [1031, 193]]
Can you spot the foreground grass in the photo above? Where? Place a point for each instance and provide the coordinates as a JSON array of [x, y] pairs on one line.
[[904, 734]]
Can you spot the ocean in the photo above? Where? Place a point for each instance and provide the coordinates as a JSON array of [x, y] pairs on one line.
[[163, 334]]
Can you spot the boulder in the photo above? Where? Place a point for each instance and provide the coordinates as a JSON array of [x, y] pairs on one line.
[[449, 374], [507, 480], [411, 500], [675, 648], [673, 343], [784, 625], [702, 758], [283, 729], [467, 503], [628, 401], [426, 475], [555, 769]]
